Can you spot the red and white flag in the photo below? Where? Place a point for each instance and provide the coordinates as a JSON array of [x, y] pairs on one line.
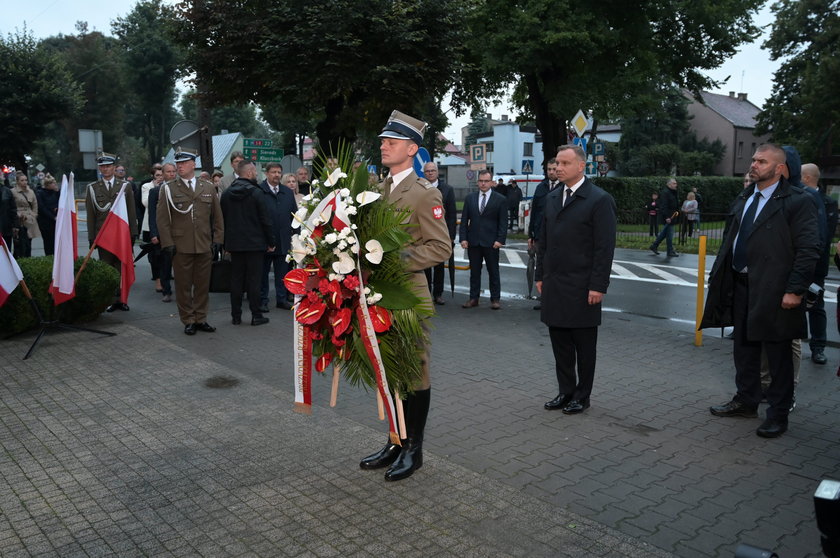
[[63, 286], [10, 273], [115, 236]]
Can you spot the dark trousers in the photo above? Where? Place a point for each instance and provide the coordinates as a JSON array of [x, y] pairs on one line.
[[23, 244], [165, 266], [490, 256], [153, 255], [654, 225], [667, 233], [245, 273], [747, 356], [434, 276], [48, 234], [570, 346], [513, 217], [817, 323], [280, 268]]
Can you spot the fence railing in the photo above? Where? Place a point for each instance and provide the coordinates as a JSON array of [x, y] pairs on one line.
[[635, 230]]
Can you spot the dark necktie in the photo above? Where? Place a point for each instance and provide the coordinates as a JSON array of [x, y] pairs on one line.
[[739, 258], [568, 197], [483, 203], [551, 186]]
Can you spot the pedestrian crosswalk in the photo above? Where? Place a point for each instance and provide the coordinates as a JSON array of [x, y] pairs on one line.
[[633, 271]]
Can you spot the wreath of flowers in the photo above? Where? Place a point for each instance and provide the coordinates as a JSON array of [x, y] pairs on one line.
[[347, 250]]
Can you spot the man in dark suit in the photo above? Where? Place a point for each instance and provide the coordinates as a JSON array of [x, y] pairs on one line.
[[574, 259], [538, 205], [164, 257], [483, 232], [280, 201], [434, 275], [762, 271], [668, 207]]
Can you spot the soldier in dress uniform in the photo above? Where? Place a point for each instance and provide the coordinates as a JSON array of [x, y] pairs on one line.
[[400, 140], [98, 200], [189, 220]]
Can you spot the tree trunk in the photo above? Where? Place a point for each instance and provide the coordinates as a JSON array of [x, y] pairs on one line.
[[553, 129]]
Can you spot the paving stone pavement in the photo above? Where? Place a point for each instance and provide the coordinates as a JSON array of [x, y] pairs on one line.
[[115, 446]]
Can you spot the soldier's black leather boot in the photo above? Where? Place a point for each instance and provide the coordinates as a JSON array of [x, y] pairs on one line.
[[411, 455], [388, 454]]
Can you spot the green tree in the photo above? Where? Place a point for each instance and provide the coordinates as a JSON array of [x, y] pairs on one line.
[[804, 108], [348, 63], [151, 63], [600, 56], [36, 89]]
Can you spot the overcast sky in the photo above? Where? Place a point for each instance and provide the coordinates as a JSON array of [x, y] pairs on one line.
[[749, 71]]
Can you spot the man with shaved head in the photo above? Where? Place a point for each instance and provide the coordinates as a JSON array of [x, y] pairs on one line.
[[764, 267]]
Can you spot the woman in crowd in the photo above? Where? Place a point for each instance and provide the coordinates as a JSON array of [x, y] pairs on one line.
[[27, 211]]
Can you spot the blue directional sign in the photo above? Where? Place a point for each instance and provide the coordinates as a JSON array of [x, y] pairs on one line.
[[421, 159], [372, 169], [591, 168], [527, 166], [599, 148], [581, 142]]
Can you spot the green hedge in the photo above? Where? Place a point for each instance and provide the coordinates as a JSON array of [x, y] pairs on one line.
[[632, 193], [94, 292]]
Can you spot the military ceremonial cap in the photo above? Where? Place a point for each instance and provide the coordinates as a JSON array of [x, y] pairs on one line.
[[403, 126], [184, 154], [106, 159]]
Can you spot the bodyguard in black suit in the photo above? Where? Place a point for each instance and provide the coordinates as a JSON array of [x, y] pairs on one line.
[[574, 258], [434, 275], [483, 231]]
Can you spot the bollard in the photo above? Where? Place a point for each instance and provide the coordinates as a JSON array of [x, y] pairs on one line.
[[701, 284]]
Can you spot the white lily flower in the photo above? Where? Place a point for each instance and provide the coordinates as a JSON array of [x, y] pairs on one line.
[[374, 251], [300, 249], [367, 197], [299, 218], [334, 177], [344, 265]]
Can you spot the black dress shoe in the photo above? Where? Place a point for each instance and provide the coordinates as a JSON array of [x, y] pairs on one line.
[[673, 255], [772, 428], [236, 320], [204, 326], [818, 356], [409, 460], [653, 249], [190, 329], [284, 305], [384, 457], [576, 406], [558, 402], [439, 301], [264, 309], [733, 409], [118, 306], [259, 321]]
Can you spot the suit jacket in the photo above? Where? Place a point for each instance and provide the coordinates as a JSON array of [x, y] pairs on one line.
[[483, 229], [280, 207], [151, 203], [538, 207], [431, 243], [98, 192], [199, 226], [450, 212], [782, 252], [247, 223], [574, 255]]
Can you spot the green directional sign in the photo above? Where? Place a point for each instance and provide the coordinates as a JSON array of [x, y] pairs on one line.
[[256, 142], [261, 155]]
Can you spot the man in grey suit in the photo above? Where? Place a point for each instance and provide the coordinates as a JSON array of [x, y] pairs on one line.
[[574, 258], [483, 232]]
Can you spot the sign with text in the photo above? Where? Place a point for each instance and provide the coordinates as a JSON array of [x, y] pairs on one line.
[[478, 153], [260, 155], [256, 142]]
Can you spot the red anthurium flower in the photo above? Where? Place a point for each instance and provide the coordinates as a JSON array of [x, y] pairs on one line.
[[381, 319], [295, 281], [351, 282], [315, 335], [344, 352], [337, 342], [340, 321], [322, 363], [334, 294], [309, 311]]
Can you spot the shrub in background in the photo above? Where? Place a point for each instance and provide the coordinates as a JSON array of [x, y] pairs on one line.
[[632, 193], [94, 292]]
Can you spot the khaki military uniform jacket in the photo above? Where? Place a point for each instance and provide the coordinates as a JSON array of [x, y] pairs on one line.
[[98, 202], [190, 221]]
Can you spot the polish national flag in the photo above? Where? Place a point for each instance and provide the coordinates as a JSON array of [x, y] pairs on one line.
[[10, 273], [115, 236], [63, 286]]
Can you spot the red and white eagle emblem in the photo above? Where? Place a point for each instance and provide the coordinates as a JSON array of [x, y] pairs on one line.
[[437, 211]]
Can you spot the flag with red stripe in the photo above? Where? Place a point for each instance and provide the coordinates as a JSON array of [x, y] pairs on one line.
[[10, 273], [115, 236], [63, 286]]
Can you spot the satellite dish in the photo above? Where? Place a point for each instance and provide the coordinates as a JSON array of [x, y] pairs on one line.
[[185, 133]]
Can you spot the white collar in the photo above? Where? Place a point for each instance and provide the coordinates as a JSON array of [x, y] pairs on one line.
[[400, 176]]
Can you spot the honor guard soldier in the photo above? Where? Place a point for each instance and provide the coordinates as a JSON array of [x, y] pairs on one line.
[[98, 201], [400, 140], [189, 220]]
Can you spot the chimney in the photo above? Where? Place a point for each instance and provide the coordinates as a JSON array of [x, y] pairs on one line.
[[742, 96], [732, 94], [504, 118]]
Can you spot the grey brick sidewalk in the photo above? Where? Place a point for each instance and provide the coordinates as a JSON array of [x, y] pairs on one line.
[[114, 446], [647, 466]]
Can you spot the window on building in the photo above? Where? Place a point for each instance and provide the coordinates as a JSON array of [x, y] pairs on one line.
[[740, 150], [488, 147], [528, 149], [753, 148]]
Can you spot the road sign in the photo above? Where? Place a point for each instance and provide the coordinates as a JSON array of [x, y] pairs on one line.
[[478, 166], [581, 142], [527, 166], [257, 142], [599, 148], [372, 169], [470, 175], [591, 168], [603, 168], [260, 155], [421, 158], [580, 123], [477, 153]]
